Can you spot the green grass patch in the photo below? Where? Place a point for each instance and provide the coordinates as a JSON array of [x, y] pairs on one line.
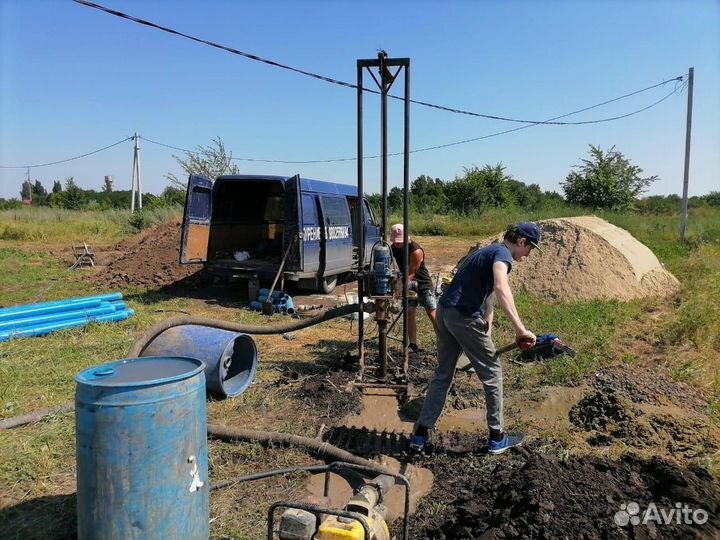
[[59, 226], [588, 327]]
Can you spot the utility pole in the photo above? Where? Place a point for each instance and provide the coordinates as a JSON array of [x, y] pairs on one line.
[[136, 185], [28, 187], [686, 175]]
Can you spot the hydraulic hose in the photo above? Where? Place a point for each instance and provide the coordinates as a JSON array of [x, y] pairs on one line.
[[158, 328]]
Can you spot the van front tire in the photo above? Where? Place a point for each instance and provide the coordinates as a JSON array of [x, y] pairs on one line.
[[327, 284]]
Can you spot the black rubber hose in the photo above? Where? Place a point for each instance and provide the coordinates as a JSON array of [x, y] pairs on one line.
[[36, 416], [227, 434], [315, 446], [151, 333]]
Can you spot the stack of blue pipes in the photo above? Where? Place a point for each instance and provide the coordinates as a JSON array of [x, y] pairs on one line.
[[40, 319], [282, 302]]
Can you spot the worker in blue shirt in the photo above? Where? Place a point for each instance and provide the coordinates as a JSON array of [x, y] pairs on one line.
[[464, 324]]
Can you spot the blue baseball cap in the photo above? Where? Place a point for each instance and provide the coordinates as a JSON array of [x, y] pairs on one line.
[[531, 232]]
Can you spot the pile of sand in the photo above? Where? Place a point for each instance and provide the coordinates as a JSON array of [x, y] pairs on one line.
[[586, 258]]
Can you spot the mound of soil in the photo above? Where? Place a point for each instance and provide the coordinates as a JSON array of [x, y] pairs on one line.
[[666, 420], [586, 258], [150, 258], [531, 495]]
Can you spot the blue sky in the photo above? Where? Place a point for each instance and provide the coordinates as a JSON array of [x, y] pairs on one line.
[[74, 79]]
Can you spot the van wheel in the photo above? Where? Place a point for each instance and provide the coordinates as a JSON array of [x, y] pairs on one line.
[[327, 284]]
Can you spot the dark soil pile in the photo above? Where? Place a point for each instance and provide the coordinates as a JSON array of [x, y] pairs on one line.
[[530, 495], [646, 411], [150, 258]]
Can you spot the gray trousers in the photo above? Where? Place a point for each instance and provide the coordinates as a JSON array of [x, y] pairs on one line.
[[457, 333]]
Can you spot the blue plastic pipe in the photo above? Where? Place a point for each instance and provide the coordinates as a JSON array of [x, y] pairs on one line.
[[290, 306], [275, 294], [37, 320], [62, 325], [109, 297]]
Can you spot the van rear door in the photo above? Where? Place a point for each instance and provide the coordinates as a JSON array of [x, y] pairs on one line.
[[293, 225], [196, 220]]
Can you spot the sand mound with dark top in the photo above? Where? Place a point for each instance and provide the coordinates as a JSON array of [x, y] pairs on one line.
[[150, 258], [586, 258]]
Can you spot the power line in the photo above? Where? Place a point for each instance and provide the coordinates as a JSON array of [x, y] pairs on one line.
[[437, 147], [64, 160], [343, 83], [677, 89]]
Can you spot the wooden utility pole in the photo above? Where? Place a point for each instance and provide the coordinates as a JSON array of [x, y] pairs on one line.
[[686, 175]]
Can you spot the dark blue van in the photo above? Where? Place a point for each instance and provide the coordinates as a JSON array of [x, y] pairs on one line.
[[242, 226]]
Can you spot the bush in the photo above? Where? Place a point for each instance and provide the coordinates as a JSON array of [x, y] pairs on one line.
[[607, 180]]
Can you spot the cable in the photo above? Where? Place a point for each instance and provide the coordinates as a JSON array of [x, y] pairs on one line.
[[338, 82], [677, 89], [437, 147], [64, 160]]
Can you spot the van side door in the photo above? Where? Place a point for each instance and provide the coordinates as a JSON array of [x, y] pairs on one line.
[[337, 238], [314, 249], [293, 230], [196, 220]]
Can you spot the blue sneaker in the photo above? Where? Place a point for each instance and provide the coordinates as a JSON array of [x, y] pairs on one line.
[[417, 443], [507, 442]]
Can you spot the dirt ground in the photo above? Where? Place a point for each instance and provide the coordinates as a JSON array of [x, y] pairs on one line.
[[543, 491]]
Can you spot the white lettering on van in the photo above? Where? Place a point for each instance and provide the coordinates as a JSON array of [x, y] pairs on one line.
[[337, 233], [331, 233], [311, 234]]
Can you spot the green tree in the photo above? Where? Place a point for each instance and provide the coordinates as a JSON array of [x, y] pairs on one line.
[[395, 199], [479, 189], [606, 180], [57, 186], [209, 161], [39, 190], [26, 190], [73, 197], [428, 194]]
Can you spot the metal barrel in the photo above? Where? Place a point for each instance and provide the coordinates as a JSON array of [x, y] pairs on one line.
[[230, 358], [142, 457]]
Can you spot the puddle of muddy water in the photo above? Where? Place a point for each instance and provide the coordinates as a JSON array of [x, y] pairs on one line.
[[547, 408]]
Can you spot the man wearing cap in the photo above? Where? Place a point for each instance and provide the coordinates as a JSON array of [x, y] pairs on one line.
[[419, 274], [464, 324]]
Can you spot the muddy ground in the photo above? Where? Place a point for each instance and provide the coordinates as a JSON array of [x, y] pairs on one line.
[[625, 436]]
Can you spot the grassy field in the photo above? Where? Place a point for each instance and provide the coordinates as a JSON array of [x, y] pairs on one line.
[[38, 461]]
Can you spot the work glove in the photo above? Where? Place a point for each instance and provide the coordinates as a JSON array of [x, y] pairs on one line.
[[526, 340]]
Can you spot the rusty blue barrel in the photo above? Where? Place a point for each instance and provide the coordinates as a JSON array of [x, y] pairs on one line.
[[230, 358], [142, 457]]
